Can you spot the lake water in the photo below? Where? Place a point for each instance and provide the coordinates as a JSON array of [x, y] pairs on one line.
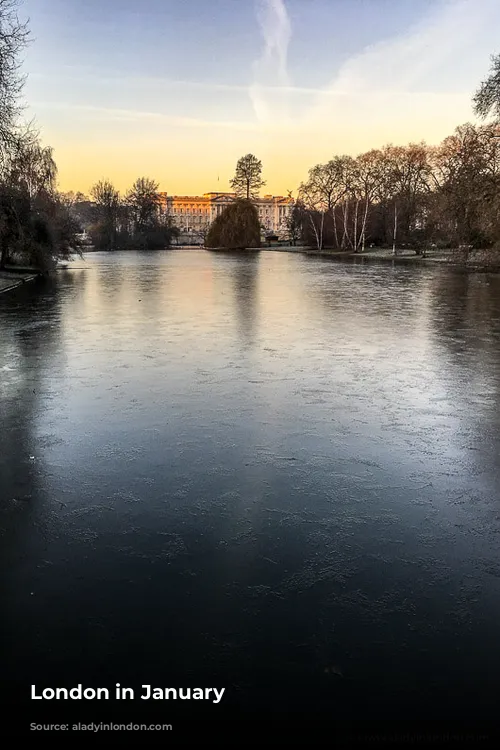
[[272, 473]]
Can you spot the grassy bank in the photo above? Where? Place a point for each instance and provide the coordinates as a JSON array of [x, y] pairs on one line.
[[476, 259]]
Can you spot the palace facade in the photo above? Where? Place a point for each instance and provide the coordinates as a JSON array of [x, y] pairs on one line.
[[194, 214]]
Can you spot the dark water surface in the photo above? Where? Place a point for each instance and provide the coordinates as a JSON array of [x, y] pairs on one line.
[[253, 473]]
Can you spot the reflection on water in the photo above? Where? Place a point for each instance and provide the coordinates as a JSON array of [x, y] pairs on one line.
[[257, 471], [245, 278]]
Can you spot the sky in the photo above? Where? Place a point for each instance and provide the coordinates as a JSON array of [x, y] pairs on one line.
[[178, 90]]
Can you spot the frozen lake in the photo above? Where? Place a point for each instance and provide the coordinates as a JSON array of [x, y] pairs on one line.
[[271, 473]]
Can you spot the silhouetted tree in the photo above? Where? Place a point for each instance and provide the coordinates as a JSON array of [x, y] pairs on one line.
[[143, 200], [144, 225], [106, 200], [247, 180], [295, 223]]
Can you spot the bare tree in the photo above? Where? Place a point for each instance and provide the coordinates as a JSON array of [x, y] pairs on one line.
[[294, 223], [105, 195], [328, 182], [143, 200], [406, 176], [247, 180], [367, 174], [466, 181], [348, 171], [312, 201], [414, 194], [14, 36], [107, 201]]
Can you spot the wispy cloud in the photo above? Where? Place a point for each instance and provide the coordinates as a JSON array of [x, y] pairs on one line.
[[276, 30], [271, 69], [392, 74], [396, 68], [415, 86], [82, 75], [114, 114], [160, 82]]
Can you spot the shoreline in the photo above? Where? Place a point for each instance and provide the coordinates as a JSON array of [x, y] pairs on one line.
[[479, 261], [10, 280], [476, 261]]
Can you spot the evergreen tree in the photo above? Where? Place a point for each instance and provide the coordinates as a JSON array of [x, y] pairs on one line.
[[247, 180]]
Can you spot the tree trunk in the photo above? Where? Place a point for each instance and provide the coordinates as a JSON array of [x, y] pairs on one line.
[[315, 230], [335, 234], [345, 212], [355, 242], [363, 227], [395, 228]]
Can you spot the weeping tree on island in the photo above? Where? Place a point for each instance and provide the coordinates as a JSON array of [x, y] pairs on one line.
[[236, 228]]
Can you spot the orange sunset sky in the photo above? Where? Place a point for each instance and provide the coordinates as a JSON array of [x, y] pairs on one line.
[[179, 91]]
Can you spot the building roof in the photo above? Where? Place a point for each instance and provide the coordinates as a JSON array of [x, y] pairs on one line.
[[207, 197]]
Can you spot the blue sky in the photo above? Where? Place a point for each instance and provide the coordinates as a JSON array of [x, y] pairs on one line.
[[179, 90]]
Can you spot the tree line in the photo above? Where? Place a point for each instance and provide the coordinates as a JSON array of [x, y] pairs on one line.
[[414, 196], [136, 219], [36, 226], [38, 223]]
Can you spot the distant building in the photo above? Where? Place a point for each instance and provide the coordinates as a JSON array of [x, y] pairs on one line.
[[194, 214], [274, 212]]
